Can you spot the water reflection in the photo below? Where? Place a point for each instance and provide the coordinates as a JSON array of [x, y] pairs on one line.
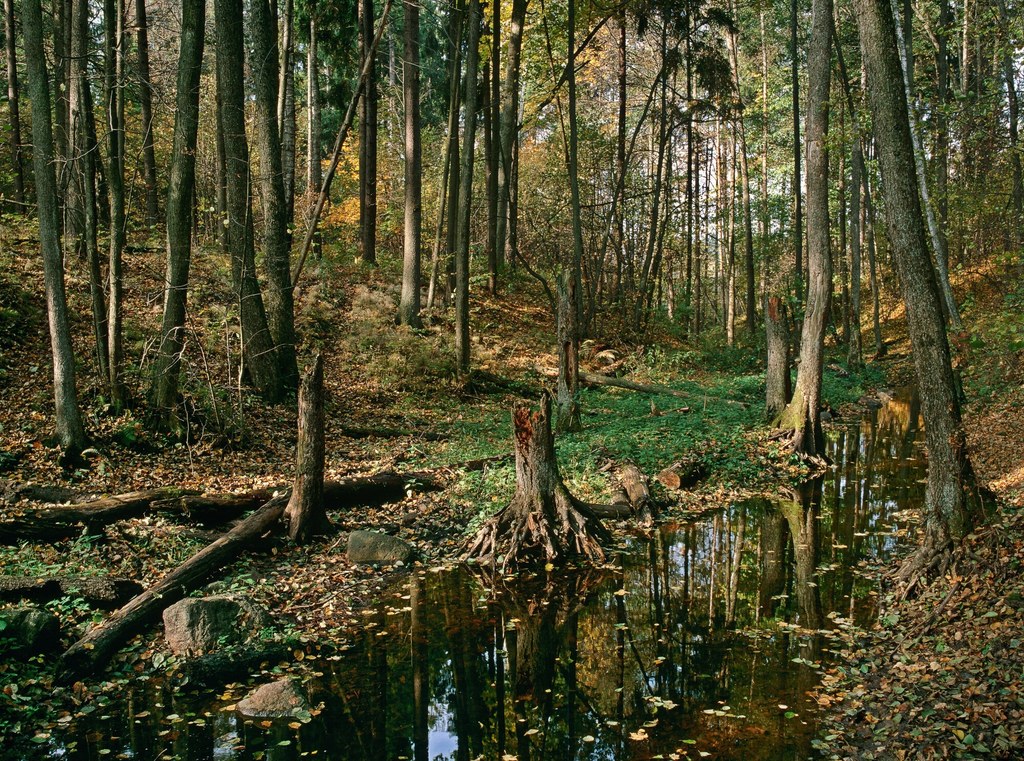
[[703, 638]]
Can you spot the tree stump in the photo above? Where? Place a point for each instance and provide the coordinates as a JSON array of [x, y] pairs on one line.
[[543, 523], [306, 513]]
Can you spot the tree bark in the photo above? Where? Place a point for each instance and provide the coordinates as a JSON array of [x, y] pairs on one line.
[[276, 244], [100, 591], [258, 350], [948, 513], [494, 257], [798, 234], [286, 114], [306, 513], [314, 169], [778, 382], [803, 414], [509, 131], [568, 415], [69, 430], [113, 62], [368, 141], [146, 107], [462, 348], [543, 523], [13, 102], [409, 307], [938, 237], [84, 152], [180, 191], [635, 483]]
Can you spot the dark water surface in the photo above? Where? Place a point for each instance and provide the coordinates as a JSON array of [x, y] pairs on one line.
[[700, 642]]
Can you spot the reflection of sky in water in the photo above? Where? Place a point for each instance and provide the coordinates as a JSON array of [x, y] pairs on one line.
[[700, 627]]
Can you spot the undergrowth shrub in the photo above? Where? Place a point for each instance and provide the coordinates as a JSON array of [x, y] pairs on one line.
[[395, 356]]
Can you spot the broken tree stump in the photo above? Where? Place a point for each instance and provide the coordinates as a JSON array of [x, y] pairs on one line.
[[100, 643], [635, 483], [543, 523], [306, 513]]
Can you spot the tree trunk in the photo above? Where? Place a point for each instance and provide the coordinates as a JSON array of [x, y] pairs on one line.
[[948, 513], [180, 191], [568, 415], [938, 237], [314, 170], [778, 382], [306, 513], [509, 131], [258, 350], [286, 114], [543, 523], [495, 257], [803, 414], [1013, 108], [146, 106], [69, 430], [635, 483], [84, 152], [368, 141], [100, 591], [855, 357], [462, 347], [114, 44], [18, 160], [409, 308], [276, 245], [798, 233]]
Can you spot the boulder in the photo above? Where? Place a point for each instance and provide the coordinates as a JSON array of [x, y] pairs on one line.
[[201, 625], [31, 629], [374, 547], [277, 700]]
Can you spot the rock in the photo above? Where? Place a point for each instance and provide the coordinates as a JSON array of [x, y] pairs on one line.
[[31, 629], [277, 700], [373, 547], [201, 625]]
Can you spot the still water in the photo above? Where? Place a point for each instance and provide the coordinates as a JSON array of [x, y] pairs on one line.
[[698, 642]]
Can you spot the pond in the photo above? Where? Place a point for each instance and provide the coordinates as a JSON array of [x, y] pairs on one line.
[[698, 642]]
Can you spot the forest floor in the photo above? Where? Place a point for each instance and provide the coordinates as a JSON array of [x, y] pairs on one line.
[[401, 384], [941, 675]]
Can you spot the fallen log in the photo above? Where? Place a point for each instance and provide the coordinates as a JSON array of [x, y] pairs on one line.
[[47, 524], [54, 523], [100, 591], [595, 379], [682, 474], [99, 644], [635, 483]]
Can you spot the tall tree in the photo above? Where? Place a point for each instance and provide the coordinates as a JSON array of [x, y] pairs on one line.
[[494, 258], [258, 350], [368, 141], [146, 107], [181, 187], [84, 152], [276, 243], [69, 430], [465, 201], [113, 95], [314, 169], [508, 128], [10, 32], [803, 414], [409, 309], [286, 110], [949, 514], [798, 220]]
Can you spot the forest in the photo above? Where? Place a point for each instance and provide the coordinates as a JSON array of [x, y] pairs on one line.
[[537, 379]]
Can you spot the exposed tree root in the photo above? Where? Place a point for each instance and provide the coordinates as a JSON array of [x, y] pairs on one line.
[[543, 523]]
